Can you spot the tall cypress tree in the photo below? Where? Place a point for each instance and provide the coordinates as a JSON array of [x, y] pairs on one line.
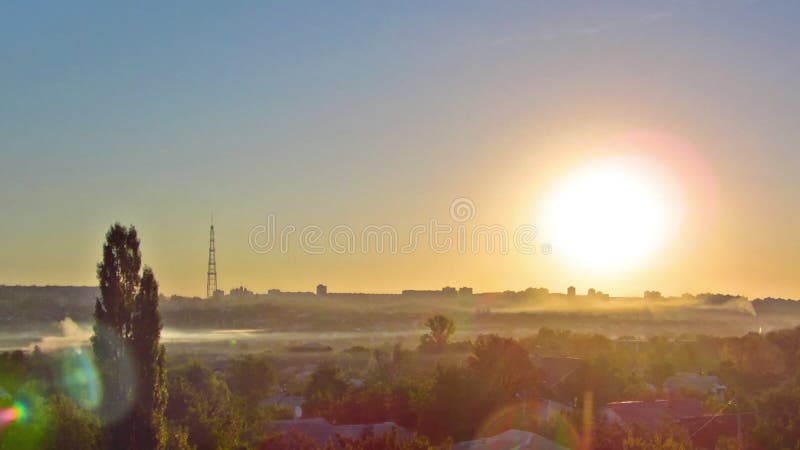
[[126, 345], [118, 276], [151, 395]]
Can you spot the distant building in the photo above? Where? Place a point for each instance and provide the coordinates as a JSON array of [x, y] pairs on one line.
[[449, 290], [277, 293], [322, 289], [465, 291], [218, 293], [652, 295], [421, 293], [418, 292], [445, 291], [571, 291], [241, 291]]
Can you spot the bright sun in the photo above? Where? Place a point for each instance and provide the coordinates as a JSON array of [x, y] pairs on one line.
[[611, 214]]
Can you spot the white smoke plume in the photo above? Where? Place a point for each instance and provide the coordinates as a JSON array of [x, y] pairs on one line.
[[72, 334]]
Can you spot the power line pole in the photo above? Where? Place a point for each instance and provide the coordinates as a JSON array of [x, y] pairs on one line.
[[211, 280], [739, 438]]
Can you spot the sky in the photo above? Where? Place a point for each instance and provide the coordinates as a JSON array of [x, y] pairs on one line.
[[379, 113]]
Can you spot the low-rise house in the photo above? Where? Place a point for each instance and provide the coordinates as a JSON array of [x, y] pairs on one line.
[[510, 439], [651, 414], [694, 382]]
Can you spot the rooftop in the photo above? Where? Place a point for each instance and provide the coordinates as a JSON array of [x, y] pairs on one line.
[[322, 431], [653, 413], [516, 439]]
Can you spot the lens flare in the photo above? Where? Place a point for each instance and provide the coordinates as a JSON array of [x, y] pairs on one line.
[[531, 414], [110, 394], [25, 423], [80, 379], [17, 412]]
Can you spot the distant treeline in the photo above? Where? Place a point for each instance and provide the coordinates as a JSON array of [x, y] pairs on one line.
[[20, 304], [24, 304]]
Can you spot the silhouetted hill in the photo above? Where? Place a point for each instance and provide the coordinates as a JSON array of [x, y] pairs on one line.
[[776, 306], [19, 304]]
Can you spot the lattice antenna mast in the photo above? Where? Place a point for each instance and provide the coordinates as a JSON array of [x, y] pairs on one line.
[[211, 281]]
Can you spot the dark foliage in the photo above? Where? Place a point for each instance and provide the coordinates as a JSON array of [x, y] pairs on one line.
[[126, 339]]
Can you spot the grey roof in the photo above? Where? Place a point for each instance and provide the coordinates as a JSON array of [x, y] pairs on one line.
[[653, 413], [510, 439], [693, 382], [322, 431]]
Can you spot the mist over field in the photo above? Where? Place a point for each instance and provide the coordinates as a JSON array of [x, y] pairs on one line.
[[275, 322]]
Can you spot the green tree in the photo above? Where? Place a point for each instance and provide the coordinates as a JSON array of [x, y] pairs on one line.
[[326, 384], [788, 341], [75, 428], [504, 364], [388, 441], [251, 377], [30, 421], [178, 438], [441, 329], [201, 404], [149, 430], [658, 371], [457, 404], [290, 440], [126, 335], [666, 436], [778, 423], [387, 367]]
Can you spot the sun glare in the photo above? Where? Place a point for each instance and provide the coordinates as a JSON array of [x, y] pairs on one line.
[[611, 215]]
